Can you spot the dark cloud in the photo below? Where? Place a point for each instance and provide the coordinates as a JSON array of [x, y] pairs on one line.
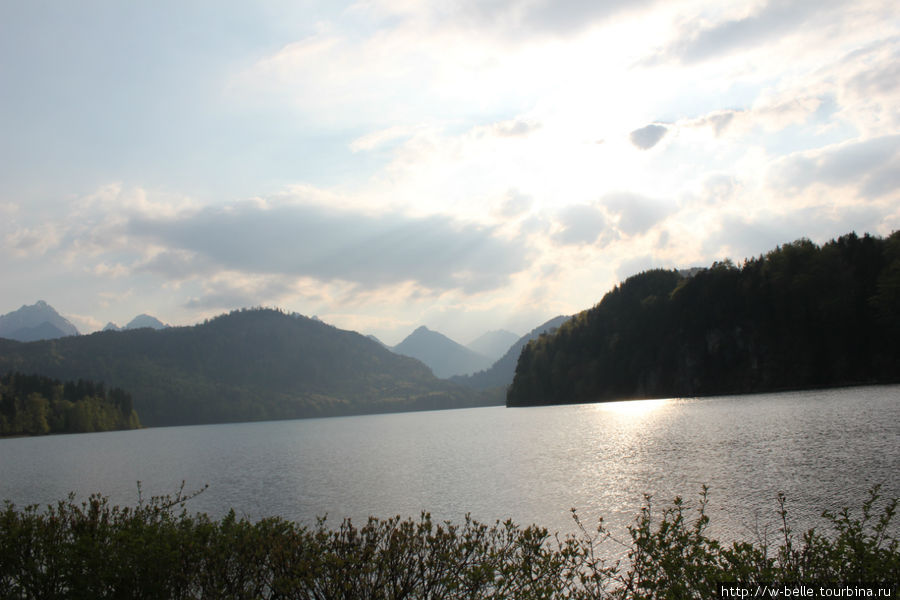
[[371, 251], [613, 216], [582, 224], [177, 264], [775, 19], [564, 16], [873, 165], [637, 214], [224, 295], [647, 137]]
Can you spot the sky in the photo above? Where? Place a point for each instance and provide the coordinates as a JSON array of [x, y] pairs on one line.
[[465, 165]]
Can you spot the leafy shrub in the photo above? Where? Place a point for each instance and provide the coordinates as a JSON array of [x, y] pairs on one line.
[[158, 550]]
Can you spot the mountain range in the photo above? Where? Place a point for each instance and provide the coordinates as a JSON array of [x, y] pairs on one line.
[[443, 356], [487, 362], [246, 365], [40, 321]]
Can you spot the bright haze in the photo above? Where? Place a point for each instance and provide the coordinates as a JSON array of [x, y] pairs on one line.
[[465, 165]]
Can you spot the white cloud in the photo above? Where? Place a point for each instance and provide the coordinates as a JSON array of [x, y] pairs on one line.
[[113, 271], [514, 204], [373, 140], [870, 168], [515, 127], [33, 242]]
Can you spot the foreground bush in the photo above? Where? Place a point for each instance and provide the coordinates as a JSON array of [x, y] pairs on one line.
[[159, 550]]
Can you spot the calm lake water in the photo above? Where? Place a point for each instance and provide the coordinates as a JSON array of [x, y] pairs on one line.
[[824, 449]]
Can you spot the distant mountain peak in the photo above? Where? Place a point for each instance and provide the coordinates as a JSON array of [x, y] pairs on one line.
[[493, 344], [443, 356], [39, 321], [145, 320]]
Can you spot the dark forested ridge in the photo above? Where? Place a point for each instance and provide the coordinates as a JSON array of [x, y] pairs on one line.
[[802, 316], [35, 405], [247, 365]]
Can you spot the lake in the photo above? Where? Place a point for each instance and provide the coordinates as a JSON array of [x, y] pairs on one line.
[[823, 449]]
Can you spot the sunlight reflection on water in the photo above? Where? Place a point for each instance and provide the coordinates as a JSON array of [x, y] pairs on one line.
[[823, 449], [632, 408]]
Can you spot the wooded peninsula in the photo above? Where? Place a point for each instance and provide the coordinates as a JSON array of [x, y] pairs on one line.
[[36, 405], [802, 316]]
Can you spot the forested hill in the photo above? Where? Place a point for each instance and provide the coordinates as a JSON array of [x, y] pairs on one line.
[[801, 316], [248, 365], [35, 405]]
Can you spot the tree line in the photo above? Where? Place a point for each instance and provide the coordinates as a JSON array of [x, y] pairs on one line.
[[800, 316], [37, 405]]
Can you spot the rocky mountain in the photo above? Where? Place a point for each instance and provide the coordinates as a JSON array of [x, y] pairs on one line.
[[247, 365], [493, 344], [501, 373], [443, 356], [39, 321], [144, 320], [140, 321]]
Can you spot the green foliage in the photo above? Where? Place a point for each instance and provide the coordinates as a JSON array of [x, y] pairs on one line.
[[802, 316], [158, 550], [36, 405]]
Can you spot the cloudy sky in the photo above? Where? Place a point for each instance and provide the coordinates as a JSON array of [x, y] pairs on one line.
[[466, 164]]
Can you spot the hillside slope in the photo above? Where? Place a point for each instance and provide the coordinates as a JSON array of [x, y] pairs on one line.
[[442, 355], [248, 365], [801, 316], [501, 373], [493, 344]]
